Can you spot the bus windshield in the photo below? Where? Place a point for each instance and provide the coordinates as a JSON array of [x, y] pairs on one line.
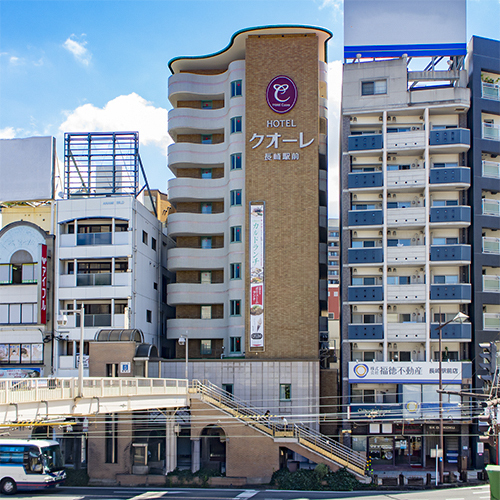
[[52, 458]]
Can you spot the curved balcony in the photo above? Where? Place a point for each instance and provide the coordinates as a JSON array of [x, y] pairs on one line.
[[196, 293], [399, 294], [184, 223], [452, 331], [196, 121], [189, 189], [453, 140], [199, 328], [457, 293], [413, 254], [398, 332], [186, 154], [456, 254], [199, 258]]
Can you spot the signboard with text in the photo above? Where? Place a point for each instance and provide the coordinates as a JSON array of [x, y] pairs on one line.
[[257, 275], [43, 285]]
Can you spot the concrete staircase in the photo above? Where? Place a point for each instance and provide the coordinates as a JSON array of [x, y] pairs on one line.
[[298, 437]]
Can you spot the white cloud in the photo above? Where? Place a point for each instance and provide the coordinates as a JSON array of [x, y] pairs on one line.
[[124, 113], [15, 60], [78, 49], [7, 133], [334, 117]]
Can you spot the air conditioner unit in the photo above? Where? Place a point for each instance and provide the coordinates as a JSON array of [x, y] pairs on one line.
[[421, 269], [380, 158], [354, 159], [394, 269], [394, 308], [420, 117], [380, 269], [380, 233], [414, 240], [413, 203], [381, 308], [389, 269], [414, 277], [394, 233], [380, 118]]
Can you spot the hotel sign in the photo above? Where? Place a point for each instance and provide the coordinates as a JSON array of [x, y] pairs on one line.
[[256, 275], [281, 94], [404, 372]]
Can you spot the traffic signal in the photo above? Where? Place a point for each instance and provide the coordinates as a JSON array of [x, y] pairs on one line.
[[488, 361]]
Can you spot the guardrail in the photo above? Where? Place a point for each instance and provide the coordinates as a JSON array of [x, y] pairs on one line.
[[52, 389], [305, 436]]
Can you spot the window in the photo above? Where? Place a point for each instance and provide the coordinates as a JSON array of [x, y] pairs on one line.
[[236, 88], [362, 396], [206, 242], [111, 439], [444, 203], [235, 344], [205, 277], [148, 316], [235, 271], [206, 139], [235, 234], [206, 104], [206, 312], [206, 173], [205, 346], [235, 124], [145, 237], [285, 392], [235, 307], [235, 197], [374, 88], [446, 280], [236, 161], [153, 244], [206, 208]]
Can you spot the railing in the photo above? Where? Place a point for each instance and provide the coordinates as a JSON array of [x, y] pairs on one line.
[[491, 321], [14, 391], [94, 320], [94, 279], [491, 283], [491, 169], [490, 91], [28, 274], [491, 132], [491, 245], [93, 239], [491, 207], [307, 437]]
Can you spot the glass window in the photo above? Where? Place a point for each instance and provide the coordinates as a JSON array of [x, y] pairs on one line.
[[374, 87], [206, 104], [206, 346], [206, 139], [145, 237], [206, 173], [439, 241], [149, 315], [236, 161], [235, 270], [235, 307], [236, 89], [235, 197], [206, 208], [206, 312], [285, 392], [205, 277], [235, 344], [206, 242], [235, 124], [235, 234], [153, 244]]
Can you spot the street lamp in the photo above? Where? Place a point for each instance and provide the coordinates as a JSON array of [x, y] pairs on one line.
[[459, 318], [64, 320], [184, 340]]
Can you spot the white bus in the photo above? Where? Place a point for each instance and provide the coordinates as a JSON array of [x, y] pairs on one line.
[[27, 464]]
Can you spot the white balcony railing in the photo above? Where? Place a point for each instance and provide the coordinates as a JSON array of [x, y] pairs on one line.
[[491, 169], [491, 321], [490, 91], [491, 283], [491, 245], [491, 132], [491, 207]]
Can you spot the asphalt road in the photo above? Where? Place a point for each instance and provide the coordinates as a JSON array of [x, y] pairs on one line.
[[73, 493]]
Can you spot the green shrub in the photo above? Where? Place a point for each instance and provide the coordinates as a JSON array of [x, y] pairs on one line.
[[321, 470], [342, 480]]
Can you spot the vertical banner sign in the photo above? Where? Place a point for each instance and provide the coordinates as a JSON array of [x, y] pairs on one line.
[[43, 285], [257, 275]]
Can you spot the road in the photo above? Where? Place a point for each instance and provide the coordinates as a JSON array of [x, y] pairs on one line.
[[77, 493]]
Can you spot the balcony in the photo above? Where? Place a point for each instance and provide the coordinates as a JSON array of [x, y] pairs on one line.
[[365, 180], [491, 207], [452, 331], [414, 292], [397, 332], [491, 169], [365, 142], [182, 223], [453, 140], [453, 175], [491, 321], [365, 218], [460, 253], [491, 132], [187, 154], [412, 216], [201, 328], [97, 279], [21, 274], [414, 177], [365, 331], [194, 121], [365, 255], [186, 189], [458, 215], [491, 245], [411, 254], [460, 292], [413, 139], [198, 258], [365, 293], [93, 239], [490, 91], [196, 293], [93, 320], [491, 283]]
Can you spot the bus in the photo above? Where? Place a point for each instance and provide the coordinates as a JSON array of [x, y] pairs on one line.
[[27, 464]]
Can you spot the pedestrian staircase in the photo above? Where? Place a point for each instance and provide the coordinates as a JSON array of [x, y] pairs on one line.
[[309, 441]]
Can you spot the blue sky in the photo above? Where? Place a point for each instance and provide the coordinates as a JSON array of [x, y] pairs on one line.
[[102, 65]]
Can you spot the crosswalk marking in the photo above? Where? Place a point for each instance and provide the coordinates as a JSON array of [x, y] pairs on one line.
[[247, 494]]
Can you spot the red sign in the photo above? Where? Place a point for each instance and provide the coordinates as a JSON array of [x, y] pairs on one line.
[[43, 286], [257, 295]]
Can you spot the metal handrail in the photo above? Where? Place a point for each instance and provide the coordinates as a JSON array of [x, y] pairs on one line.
[[305, 435]]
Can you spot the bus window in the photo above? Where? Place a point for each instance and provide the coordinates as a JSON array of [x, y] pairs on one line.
[[33, 461]]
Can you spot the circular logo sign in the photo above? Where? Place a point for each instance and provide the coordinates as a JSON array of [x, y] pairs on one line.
[[412, 406], [281, 94], [361, 371]]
